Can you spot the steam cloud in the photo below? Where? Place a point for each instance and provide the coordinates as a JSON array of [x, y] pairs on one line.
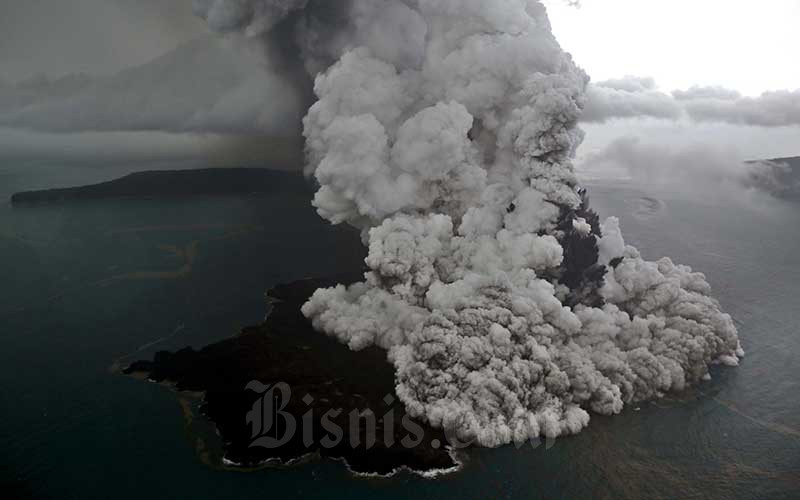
[[445, 131]]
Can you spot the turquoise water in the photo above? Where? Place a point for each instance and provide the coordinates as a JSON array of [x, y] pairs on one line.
[[84, 287]]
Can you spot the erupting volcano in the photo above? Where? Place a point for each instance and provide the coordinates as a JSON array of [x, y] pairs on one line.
[[445, 130]]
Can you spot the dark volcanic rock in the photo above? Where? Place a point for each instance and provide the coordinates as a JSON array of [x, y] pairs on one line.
[[200, 182], [287, 349], [580, 271]]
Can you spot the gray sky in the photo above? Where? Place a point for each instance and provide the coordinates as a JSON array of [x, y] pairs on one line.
[[57, 37]]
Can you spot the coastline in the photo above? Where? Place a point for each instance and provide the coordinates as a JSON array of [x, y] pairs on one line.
[[285, 348]]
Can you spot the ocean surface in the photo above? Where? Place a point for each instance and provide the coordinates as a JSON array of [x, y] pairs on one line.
[[87, 288]]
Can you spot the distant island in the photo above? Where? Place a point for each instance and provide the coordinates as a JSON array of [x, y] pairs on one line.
[[779, 178], [175, 183], [286, 348]]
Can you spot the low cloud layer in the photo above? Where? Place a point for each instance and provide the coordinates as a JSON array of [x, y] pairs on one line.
[[234, 87], [633, 97]]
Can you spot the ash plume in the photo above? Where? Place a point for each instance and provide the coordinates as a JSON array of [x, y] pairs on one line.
[[445, 130]]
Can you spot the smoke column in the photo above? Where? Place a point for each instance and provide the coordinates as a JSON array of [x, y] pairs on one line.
[[445, 131]]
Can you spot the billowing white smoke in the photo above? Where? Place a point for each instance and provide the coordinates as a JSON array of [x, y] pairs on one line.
[[445, 131]]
